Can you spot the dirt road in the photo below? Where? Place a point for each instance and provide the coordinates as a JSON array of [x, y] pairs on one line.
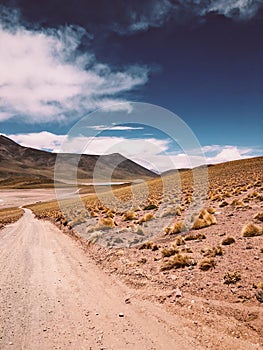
[[53, 296]]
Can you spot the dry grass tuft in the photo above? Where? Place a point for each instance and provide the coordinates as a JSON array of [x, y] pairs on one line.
[[211, 210], [145, 218], [204, 219], [167, 252], [207, 264], [259, 216], [149, 245], [252, 230], [177, 227], [232, 278], [228, 240], [105, 224], [9, 215], [179, 241], [129, 215], [223, 204], [171, 212], [212, 252], [94, 237], [177, 261], [193, 237]]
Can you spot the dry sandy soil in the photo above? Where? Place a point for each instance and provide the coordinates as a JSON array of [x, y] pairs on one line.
[[19, 197], [70, 297], [53, 296]]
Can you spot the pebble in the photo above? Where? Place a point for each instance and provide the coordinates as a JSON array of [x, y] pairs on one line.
[[121, 314]]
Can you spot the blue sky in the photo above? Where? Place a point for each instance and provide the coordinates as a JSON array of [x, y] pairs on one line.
[[202, 60]]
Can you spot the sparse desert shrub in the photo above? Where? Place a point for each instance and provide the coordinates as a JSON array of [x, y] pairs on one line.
[[232, 277], [105, 223], [167, 252], [145, 218], [179, 241], [204, 219], [171, 212], [177, 261], [139, 230], [94, 214], [149, 245], [259, 216], [136, 208], [151, 206], [259, 295], [237, 204], [228, 240], [193, 237], [129, 215], [211, 210], [212, 252], [177, 227], [207, 264], [223, 204], [260, 285], [252, 230], [186, 249], [94, 237]]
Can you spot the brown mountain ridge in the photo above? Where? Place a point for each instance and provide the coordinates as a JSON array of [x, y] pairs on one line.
[[25, 167]]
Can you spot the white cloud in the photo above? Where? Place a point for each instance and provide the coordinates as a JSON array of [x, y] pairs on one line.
[[44, 77], [115, 127], [242, 9], [42, 140], [160, 11], [223, 153]]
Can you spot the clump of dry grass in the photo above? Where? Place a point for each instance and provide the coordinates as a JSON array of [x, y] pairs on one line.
[[151, 206], [204, 219], [207, 264], [228, 240], [145, 218], [9, 215], [177, 227], [94, 237], [232, 277], [212, 252], [252, 230], [259, 216], [236, 203], [211, 210], [129, 215], [106, 223], [179, 241], [167, 252], [223, 204], [193, 237], [171, 212], [149, 245], [177, 261]]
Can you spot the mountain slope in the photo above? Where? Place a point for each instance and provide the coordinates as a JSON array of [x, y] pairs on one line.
[[28, 166]]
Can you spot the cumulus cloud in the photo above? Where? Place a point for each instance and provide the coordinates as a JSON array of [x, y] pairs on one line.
[[45, 78]]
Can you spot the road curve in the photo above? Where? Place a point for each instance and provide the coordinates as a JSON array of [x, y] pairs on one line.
[[53, 296]]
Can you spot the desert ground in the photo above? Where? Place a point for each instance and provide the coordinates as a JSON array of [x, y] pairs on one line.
[[95, 276]]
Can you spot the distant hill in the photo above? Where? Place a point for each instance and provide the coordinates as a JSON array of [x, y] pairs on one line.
[[26, 167]]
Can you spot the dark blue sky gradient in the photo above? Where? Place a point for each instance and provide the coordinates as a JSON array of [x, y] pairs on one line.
[[209, 70]]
